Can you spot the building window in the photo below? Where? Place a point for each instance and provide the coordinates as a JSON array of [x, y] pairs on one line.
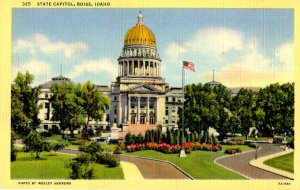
[[166, 121], [47, 105], [115, 111], [115, 98], [167, 112], [167, 98], [179, 100], [115, 120], [47, 116], [174, 99], [46, 127], [46, 95]]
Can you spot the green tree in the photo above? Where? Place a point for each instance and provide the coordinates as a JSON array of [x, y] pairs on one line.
[[276, 103], [93, 102], [66, 105], [244, 106], [204, 107], [36, 144], [24, 106], [235, 124]]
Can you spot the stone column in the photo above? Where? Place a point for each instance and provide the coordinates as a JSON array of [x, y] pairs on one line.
[[128, 110], [119, 121], [138, 110], [158, 69], [127, 65], [139, 70], [132, 67], [147, 111], [121, 69], [144, 67], [125, 109]]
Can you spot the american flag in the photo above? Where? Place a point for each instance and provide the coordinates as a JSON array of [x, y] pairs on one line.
[[189, 65]]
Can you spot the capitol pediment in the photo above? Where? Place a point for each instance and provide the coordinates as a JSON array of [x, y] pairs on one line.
[[145, 89]]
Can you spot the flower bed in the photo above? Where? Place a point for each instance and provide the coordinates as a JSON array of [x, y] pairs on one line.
[[169, 149]]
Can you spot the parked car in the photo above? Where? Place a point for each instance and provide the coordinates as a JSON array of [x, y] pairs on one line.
[[100, 139], [113, 141]]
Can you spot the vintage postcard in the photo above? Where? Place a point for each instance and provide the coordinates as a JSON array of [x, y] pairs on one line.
[[149, 95]]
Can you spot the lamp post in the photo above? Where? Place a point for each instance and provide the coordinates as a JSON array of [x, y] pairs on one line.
[[256, 147], [284, 141]]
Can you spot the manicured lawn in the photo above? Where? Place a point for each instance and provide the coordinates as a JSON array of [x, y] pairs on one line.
[[284, 162], [73, 146], [55, 138], [198, 164], [108, 147], [52, 166]]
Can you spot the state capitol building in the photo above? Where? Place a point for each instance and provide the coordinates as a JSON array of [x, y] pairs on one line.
[[140, 97]]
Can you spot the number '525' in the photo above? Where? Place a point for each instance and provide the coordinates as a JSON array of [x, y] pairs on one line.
[[26, 3]]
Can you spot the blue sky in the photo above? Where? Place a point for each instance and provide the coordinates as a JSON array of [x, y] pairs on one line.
[[245, 47]]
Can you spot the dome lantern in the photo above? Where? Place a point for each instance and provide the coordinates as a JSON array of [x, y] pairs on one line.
[[140, 19]]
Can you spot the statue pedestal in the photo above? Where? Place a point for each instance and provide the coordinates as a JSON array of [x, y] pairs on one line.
[[182, 154]]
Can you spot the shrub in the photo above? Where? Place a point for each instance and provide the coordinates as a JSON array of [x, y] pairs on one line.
[[13, 151], [233, 150], [119, 148], [46, 133], [57, 146], [252, 145], [79, 142], [110, 160], [290, 144], [129, 139], [13, 155], [55, 130], [91, 148], [81, 167]]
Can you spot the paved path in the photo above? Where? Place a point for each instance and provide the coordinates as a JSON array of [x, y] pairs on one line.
[[240, 162], [131, 172], [259, 163], [150, 169]]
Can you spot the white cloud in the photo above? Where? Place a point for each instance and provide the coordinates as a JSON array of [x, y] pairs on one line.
[[94, 66], [255, 70], [212, 41], [40, 42], [41, 70]]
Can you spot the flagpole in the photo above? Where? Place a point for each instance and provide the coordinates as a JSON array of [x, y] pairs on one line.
[[182, 152]]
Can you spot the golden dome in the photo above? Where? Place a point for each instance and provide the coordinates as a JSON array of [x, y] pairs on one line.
[[140, 34]]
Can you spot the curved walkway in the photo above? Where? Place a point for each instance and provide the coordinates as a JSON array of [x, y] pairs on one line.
[[154, 169], [131, 172], [149, 168], [259, 163], [240, 162]]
